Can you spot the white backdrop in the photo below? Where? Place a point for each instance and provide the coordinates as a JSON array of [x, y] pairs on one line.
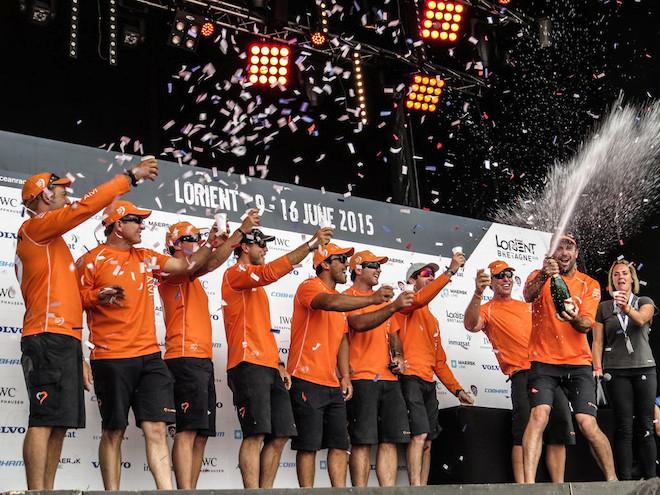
[[470, 356]]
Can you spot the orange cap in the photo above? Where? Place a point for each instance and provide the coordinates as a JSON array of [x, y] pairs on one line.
[[178, 230], [120, 209], [366, 257], [322, 253], [36, 184], [499, 266]]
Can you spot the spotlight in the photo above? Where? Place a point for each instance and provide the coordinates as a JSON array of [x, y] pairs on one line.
[[208, 28], [74, 18], [132, 35], [113, 29], [318, 38], [42, 12], [268, 64], [441, 20], [504, 2], [186, 30], [359, 86], [424, 92]]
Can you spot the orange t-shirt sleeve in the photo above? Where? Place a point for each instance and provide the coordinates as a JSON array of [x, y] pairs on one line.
[[45, 227], [307, 292], [590, 301], [251, 276], [443, 371], [86, 270], [426, 295]]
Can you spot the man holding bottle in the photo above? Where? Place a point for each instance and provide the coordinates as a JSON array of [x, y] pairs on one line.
[[560, 354]]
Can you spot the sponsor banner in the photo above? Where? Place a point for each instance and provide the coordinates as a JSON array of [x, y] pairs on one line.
[[291, 214]]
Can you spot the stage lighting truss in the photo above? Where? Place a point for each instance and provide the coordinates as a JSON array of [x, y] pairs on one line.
[[41, 11], [74, 19], [268, 64], [113, 30], [359, 87], [441, 20], [424, 92], [187, 29], [320, 35]]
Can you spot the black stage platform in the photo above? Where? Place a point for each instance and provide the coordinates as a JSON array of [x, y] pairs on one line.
[[651, 487]]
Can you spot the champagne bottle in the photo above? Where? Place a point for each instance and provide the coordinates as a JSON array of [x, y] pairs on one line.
[[559, 291]]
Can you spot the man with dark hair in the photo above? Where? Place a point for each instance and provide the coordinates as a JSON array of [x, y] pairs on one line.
[[54, 368], [508, 324], [425, 357], [319, 349], [377, 412], [561, 357], [255, 373], [117, 285], [188, 346]]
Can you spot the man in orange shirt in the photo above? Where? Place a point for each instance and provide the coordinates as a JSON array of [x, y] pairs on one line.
[[508, 325], [117, 285], [54, 369], [377, 412], [255, 374], [560, 356], [425, 357], [188, 347], [319, 348]]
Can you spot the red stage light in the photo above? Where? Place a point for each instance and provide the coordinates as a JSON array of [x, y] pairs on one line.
[[424, 92], [208, 28], [441, 20], [268, 64]]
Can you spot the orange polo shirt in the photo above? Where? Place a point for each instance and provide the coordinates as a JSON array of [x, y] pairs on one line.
[[246, 312], [420, 335], [126, 331], [45, 268], [554, 341], [508, 325], [315, 336], [187, 318], [370, 350]]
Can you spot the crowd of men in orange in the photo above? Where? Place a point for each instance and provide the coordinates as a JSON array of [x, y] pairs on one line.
[[361, 366]]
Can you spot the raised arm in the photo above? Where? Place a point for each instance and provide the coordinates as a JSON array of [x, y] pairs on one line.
[[366, 321], [535, 282], [344, 302], [472, 320]]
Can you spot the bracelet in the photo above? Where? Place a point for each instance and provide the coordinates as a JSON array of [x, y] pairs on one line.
[[131, 176], [310, 247], [450, 271], [239, 229], [598, 369], [478, 295], [458, 392]]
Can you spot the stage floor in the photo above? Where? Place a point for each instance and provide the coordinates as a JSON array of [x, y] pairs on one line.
[[650, 487]]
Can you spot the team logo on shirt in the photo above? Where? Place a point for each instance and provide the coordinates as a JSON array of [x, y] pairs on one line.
[[185, 406], [241, 411], [42, 396]]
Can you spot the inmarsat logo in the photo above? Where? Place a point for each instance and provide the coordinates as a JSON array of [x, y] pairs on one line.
[[463, 343], [515, 249]]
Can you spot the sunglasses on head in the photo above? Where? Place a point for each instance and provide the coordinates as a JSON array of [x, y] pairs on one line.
[[426, 272], [342, 258], [371, 264], [505, 273], [188, 238], [133, 219]]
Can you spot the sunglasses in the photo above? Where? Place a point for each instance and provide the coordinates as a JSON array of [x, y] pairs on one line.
[[261, 244], [188, 238], [504, 274], [371, 264], [52, 179], [342, 258], [426, 272], [133, 219]]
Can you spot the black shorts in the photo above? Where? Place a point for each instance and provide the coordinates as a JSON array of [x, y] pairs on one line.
[[560, 429], [576, 381], [262, 401], [377, 413], [142, 383], [52, 367], [320, 414], [422, 403], [194, 394]]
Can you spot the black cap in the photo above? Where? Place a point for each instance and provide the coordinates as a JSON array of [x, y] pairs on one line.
[[255, 236]]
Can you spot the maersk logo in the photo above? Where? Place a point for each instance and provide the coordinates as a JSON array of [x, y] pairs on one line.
[[490, 367], [450, 292], [459, 363], [238, 435], [11, 330]]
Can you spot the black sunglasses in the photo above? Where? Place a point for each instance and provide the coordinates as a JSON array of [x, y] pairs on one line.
[[342, 258], [261, 244], [371, 264], [505, 273], [52, 179], [133, 219], [188, 238]]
